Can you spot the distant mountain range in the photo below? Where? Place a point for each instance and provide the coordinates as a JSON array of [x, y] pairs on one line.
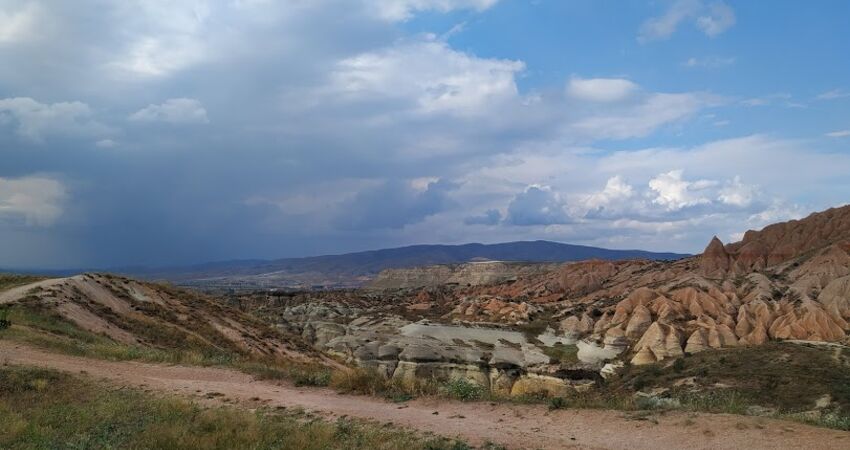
[[356, 269]]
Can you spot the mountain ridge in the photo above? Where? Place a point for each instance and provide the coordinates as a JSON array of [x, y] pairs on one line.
[[356, 268]]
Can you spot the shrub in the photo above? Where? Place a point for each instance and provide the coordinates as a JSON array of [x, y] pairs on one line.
[[464, 390], [4, 319], [359, 381], [558, 403]]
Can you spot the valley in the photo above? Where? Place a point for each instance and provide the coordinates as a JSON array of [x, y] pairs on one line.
[[756, 329]]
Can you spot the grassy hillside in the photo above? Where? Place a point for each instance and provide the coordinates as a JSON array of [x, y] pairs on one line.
[[804, 382], [10, 280]]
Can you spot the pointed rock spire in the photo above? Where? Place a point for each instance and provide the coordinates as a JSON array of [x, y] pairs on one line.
[[715, 260]]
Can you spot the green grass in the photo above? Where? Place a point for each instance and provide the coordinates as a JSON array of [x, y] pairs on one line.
[[784, 376], [42, 409], [464, 390]]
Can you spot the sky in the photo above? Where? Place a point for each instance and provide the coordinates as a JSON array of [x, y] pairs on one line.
[[166, 133]]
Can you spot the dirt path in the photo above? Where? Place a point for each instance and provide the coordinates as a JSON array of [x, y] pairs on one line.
[[516, 426]]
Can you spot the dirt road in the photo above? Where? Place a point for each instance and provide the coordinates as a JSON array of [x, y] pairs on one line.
[[516, 426]]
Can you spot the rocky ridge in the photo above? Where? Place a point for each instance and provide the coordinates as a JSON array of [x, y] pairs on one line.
[[468, 274], [787, 281]]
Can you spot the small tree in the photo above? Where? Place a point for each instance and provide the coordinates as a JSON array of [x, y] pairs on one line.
[[4, 319]]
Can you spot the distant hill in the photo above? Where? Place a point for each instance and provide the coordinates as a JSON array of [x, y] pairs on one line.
[[356, 269]]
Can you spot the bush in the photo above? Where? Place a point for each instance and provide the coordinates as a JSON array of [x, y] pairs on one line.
[[310, 376], [558, 403], [464, 390], [360, 381], [4, 319]]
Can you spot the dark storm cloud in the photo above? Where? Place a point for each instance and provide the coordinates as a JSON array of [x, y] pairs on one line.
[[162, 132]]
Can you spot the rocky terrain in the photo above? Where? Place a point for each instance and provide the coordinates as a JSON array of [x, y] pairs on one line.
[[512, 330], [565, 327], [470, 274]]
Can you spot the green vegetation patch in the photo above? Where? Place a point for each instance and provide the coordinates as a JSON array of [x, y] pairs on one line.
[[562, 353], [785, 376], [42, 409]]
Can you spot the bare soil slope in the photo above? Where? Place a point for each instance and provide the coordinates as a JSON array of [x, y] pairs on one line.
[[156, 316]]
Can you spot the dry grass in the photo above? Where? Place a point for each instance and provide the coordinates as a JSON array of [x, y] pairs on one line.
[[8, 280], [42, 409], [48, 330], [370, 382]]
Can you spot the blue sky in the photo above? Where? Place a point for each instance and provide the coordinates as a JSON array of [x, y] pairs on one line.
[[152, 133]]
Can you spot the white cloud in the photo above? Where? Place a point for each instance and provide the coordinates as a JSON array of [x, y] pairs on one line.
[[718, 18], [18, 25], [433, 76], [834, 94], [616, 190], [709, 62], [36, 201], [839, 133], [400, 10], [674, 193], [712, 19], [779, 99], [640, 120], [35, 120], [175, 110], [600, 89], [738, 194]]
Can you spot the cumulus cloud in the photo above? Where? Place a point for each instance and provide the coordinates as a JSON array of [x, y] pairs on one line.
[[337, 135], [429, 73], [616, 190], [397, 10], [34, 201], [175, 110], [666, 196], [711, 18], [35, 120], [675, 193], [600, 89], [738, 194], [537, 205]]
